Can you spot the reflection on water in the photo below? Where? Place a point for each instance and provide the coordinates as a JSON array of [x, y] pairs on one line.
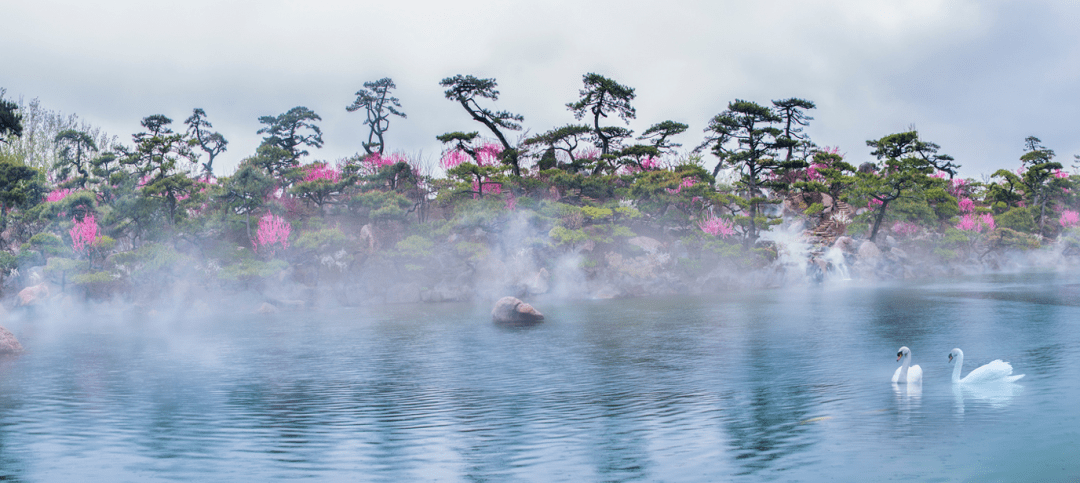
[[757, 386], [997, 395]]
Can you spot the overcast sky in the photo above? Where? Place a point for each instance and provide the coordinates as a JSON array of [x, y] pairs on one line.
[[976, 77]]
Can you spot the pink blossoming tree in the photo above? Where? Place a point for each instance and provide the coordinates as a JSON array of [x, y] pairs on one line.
[[272, 229], [717, 226], [84, 233], [1069, 218]]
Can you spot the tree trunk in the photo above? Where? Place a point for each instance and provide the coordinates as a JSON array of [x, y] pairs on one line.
[[877, 220]]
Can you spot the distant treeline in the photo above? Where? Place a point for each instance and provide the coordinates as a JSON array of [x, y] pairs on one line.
[[100, 214]]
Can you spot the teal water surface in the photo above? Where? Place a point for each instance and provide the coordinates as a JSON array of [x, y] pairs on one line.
[[789, 385]]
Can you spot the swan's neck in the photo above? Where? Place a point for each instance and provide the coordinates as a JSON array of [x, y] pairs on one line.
[[904, 368], [959, 361]]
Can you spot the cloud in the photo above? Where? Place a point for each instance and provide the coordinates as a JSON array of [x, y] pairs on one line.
[[975, 77]]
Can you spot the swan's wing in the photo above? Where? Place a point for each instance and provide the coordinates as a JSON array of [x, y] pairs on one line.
[[896, 375], [1014, 378], [914, 375], [995, 371]]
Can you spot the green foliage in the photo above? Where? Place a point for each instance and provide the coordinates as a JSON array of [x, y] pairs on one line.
[[622, 231], [94, 278], [291, 131], [65, 266], [465, 90], [212, 143], [10, 120], [383, 206], [8, 262], [1006, 238], [151, 259], [250, 269], [595, 214], [413, 247], [376, 101], [47, 244], [561, 235], [471, 252], [319, 240], [814, 209], [903, 172], [20, 186], [600, 97], [1017, 219]]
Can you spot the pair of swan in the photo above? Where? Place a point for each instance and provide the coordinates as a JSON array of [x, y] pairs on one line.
[[996, 371]]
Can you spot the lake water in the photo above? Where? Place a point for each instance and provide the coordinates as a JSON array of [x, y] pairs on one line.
[[762, 386]]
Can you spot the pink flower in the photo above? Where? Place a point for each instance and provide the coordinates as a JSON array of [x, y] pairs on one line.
[[1069, 218], [272, 229], [966, 205], [904, 228], [376, 160], [717, 227], [1060, 174], [488, 155], [939, 175], [57, 195], [319, 170], [874, 203], [650, 163], [591, 154], [453, 158], [84, 233], [686, 183], [976, 223], [511, 201], [969, 223]]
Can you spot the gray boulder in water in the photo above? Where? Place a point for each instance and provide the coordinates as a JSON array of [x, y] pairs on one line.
[[8, 343], [510, 310]]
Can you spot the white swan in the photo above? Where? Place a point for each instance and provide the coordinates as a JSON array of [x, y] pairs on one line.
[[994, 372], [904, 373]]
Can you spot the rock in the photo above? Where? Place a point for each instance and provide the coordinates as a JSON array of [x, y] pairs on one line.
[[902, 255], [606, 292], [845, 243], [34, 295], [367, 237], [8, 343], [868, 250], [826, 201], [403, 293], [510, 310], [650, 245], [267, 308], [539, 284]]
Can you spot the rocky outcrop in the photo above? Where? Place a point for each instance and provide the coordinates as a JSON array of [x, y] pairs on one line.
[[511, 310], [34, 295], [869, 251], [403, 293], [8, 343]]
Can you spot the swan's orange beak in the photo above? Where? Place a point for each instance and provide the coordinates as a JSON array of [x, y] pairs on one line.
[[898, 357], [950, 357]]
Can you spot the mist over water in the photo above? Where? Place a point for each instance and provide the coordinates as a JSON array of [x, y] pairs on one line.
[[786, 385]]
